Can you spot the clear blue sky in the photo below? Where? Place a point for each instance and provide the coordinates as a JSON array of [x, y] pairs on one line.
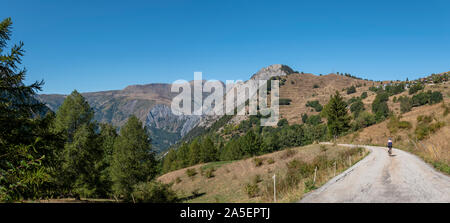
[[103, 45]]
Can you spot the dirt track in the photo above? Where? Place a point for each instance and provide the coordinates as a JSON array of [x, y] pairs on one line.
[[380, 178]]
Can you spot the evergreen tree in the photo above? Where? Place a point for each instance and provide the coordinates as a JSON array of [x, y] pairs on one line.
[[208, 150], [169, 162], [250, 143], [133, 159], [380, 107], [338, 120], [357, 107], [194, 151], [106, 138], [26, 144], [79, 159], [74, 112], [81, 152]]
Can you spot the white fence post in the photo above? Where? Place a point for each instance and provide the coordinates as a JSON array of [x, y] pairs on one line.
[[334, 168], [315, 172], [274, 189]]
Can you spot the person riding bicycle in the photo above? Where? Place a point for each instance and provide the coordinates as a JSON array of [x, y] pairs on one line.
[[389, 145]]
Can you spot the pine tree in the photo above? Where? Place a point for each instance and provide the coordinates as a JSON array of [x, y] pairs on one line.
[[338, 119], [251, 143], [79, 159], [133, 159], [81, 152], [26, 144], [74, 112], [380, 107], [208, 150], [106, 138], [194, 151]]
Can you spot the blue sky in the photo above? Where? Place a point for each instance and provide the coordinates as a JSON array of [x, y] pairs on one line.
[[104, 45]]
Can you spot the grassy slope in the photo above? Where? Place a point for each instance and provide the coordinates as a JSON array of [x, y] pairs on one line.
[[300, 89], [434, 149], [230, 178]]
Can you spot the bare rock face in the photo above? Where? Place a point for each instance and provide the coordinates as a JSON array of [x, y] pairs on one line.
[[161, 117], [271, 71], [263, 74], [167, 128], [151, 104]]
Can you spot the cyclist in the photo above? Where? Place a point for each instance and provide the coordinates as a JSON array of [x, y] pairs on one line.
[[389, 145]]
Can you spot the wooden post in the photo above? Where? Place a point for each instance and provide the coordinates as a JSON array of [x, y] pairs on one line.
[[334, 168], [274, 189], [349, 161], [315, 172]]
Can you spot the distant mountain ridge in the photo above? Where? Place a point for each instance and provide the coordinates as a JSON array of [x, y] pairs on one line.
[[151, 104]]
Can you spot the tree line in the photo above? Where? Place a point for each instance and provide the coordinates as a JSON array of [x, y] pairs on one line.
[[67, 153]]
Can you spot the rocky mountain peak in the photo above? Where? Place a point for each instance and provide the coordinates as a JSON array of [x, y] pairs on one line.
[[271, 71]]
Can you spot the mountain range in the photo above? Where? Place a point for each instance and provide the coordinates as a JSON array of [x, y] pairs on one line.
[[151, 104]]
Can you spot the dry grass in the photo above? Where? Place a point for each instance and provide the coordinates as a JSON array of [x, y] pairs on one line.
[[230, 179], [300, 89], [72, 200], [435, 149]]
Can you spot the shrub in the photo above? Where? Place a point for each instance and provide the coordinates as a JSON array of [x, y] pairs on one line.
[[404, 125], [209, 173], [309, 186], [316, 86], [252, 190], [300, 168], [304, 118], [351, 90], [428, 97], [374, 89], [314, 120], [353, 100], [191, 172], [258, 161], [425, 126], [288, 153], [314, 104], [285, 101], [178, 180], [154, 192], [256, 179], [405, 104], [357, 107], [282, 122], [270, 161], [394, 89], [415, 88], [395, 123], [446, 109], [363, 120], [364, 95], [321, 162]]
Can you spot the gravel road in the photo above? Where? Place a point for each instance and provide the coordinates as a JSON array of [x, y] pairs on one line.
[[380, 178]]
